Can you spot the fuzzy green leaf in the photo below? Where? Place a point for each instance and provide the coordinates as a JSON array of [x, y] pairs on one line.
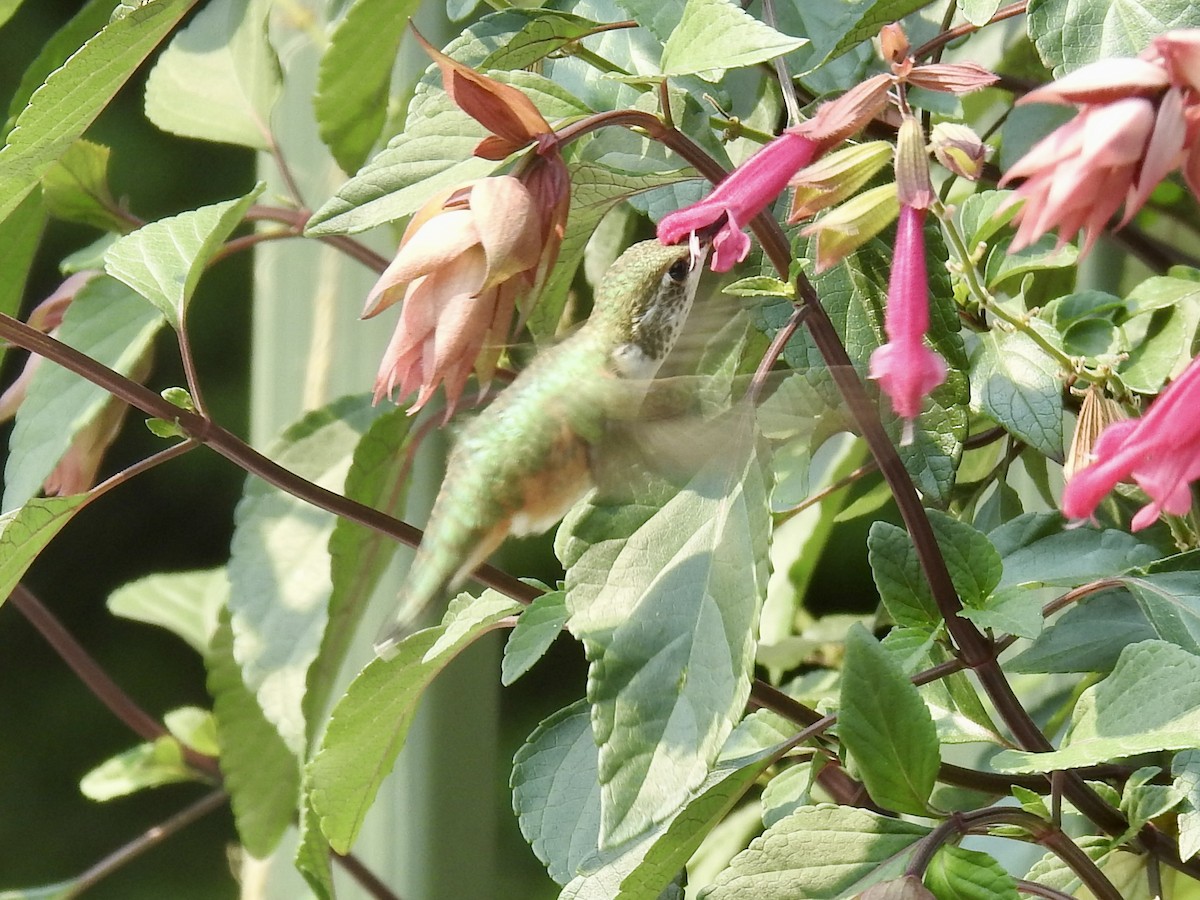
[[1072, 33], [61, 110], [1018, 386], [820, 853], [354, 77], [163, 261], [109, 323], [886, 727], [1150, 702], [370, 723], [185, 603], [219, 78], [279, 568], [744, 40], [958, 874], [260, 773], [537, 628], [666, 592]]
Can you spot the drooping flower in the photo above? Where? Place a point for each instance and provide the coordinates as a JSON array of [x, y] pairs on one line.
[[906, 369], [463, 261], [1138, 120], [1160, 451]]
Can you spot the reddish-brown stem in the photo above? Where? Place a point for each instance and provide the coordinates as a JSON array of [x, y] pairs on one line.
[[953, 34], [297, 219], [237, 451], [366, 879]]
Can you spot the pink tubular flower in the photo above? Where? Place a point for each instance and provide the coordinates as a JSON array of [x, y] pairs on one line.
[[905, 368], [1160, 451], [462, 263], [740, 197]]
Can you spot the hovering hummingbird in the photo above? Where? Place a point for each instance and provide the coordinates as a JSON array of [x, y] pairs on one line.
[[521, 464]]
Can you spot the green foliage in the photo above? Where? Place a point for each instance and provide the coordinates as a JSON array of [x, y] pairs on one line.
[[1069, 35], [690, 49]]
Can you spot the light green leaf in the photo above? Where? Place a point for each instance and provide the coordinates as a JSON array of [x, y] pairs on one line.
[[194, 728], [109, 323], [1018, 386], [8, 8], [1069, 34], [185, 603], [666, 592], [656, 16], [978, 12], [556, 791], [547, 32], [1185, 772], [219, 78], [163, 261], [360, 555], [20, 235], [537, 628], [693, 47], [313, 856], [260, 773], [144, 766], [1150, 702], [76, 188], [355, 74], [886, 727], [958, 874], [370, 723], [64, 890], [1005, 264], [279, 568], [26, 531], [1164, 348], [72, 96], [1012, 610], [820, 853]]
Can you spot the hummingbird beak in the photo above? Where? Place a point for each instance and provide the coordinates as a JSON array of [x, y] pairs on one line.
[[699, 251]]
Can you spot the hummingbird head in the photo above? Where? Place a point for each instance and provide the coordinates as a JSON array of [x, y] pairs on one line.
[[645, 298]]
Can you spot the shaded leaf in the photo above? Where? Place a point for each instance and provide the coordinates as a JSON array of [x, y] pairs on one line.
[[1185, 772], [1017, 385], [20, 235], [1088, 637], [76, 189], [219, 77], [536, 629]]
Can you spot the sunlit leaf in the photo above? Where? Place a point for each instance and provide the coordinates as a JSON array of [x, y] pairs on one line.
[[744, 41], [219, 77], [146, 765], [185, 603], [24, 532], [1071, 33], [959, 874], [537, 628]]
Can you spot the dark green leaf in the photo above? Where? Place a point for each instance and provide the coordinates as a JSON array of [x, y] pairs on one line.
[[1171, 603], [958, 874], [75, 188], [1071, 33], [1088, 637], [355, 74], [1018, 386], [536, 629], [1036, 550], [546, 32], [886, 727], [897, 573], [20, 235], [1011, 610], [864, 18]]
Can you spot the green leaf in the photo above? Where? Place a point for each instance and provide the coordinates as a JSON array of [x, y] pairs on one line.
[[1150, 702], [821, 853], [313, 858], [8, 8], [898, 576], [1012, 610], [26, 531], [219, 78], [958, 874], [64, 890], [279, 567], [744, 40], [72, 96], [194, 728], [75, 188], [1072, 33], [359, 555], [144, 766], [595, 189], [1088, 637], [862, 21], [1005, 264], [537, 628], [185, 603], [1185, 772], [20, 235], [354, 77], [370, 722], [657, 17], [1018, 386], [978, 12], [1142, 801], [107, 322], [260, 773], [886, 727], [1171, 603], [666, 592], [547, 32], [556, 791], [163, 261], [1164, 348], [1037, 550]]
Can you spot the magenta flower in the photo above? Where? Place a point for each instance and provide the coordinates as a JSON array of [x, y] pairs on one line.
[[905, 368], [744, 193], [1160, 451]]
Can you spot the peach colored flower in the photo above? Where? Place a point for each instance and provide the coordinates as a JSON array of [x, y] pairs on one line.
[[1160, 451], [463, 261]]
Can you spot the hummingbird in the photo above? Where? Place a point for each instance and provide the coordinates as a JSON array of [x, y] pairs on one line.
[[521, 464]]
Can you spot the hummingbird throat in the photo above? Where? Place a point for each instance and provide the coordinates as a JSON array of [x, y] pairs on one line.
[[656, 328]]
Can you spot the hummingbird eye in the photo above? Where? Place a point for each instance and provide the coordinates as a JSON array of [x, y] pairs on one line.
[[679, 271]]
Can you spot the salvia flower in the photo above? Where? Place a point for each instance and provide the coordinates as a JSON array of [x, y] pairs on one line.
[[462, 263], [1160, 451], [1138, 120]]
